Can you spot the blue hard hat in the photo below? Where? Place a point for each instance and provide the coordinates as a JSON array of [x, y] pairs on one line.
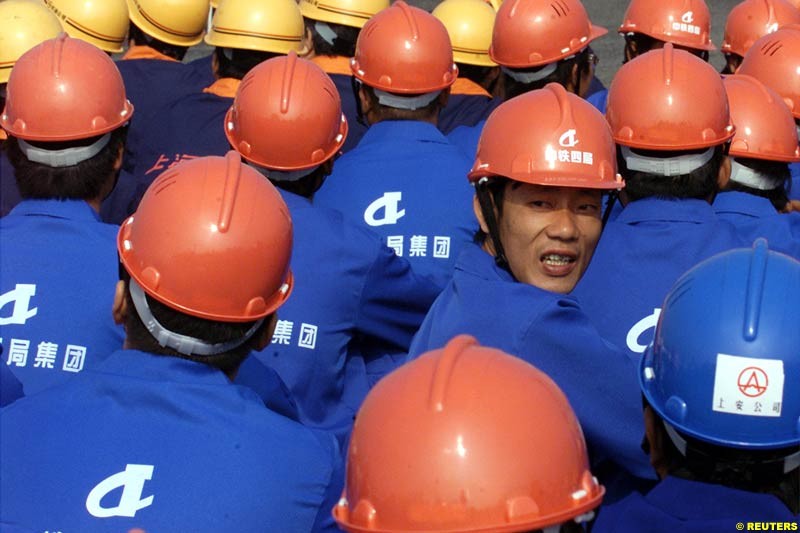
[[724, 366]]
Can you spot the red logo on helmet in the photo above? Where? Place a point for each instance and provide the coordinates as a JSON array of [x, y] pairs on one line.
[[753, 382]]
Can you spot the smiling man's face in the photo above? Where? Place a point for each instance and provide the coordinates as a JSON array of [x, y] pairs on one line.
[[548, 233]]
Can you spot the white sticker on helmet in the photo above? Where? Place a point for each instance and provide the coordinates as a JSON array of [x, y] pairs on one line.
[[748, 386]]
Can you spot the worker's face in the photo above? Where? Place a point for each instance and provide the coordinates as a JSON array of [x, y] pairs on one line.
[[549, 233]]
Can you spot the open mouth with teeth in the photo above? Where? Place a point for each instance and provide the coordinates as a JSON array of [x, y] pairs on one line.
[[557, 259]]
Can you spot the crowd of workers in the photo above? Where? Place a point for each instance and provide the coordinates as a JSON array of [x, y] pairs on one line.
[[367, 268]]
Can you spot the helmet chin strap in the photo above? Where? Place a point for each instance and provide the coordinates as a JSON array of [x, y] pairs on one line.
[[178, 342], [487, 209]]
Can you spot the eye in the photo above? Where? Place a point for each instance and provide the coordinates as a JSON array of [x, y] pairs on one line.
[[589, 208], [540, 204]]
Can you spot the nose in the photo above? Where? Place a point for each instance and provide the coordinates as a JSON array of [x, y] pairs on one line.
[[564, 225]]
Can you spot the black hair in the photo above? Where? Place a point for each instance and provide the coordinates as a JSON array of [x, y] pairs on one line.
[[393, 113], [701, 183], [211, 331], [562, 75], [480, 75], [644, 43], [240, 62], [759, 471], [171, 50], [777, 196], [344, 44], [83, 181], [496, 189]]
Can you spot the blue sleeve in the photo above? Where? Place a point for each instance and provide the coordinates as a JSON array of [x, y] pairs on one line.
[[324, 521], [794, 190], [599, 99], [10, 387], [394, 301], [266, 382], [599, 380]]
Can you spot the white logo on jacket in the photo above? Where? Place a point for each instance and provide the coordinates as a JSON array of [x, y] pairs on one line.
[[389, 203], [21, 296], [646, 324], [132, 481]]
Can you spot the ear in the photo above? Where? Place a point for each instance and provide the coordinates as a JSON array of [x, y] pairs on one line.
[[265, 337], [724, 175], [631, 50], [364, 100], [443, 97], [118, 160], [490, 81], [574, 81], [655, 435], [120, 308], [307, 51], [214, 65], [476, 208]]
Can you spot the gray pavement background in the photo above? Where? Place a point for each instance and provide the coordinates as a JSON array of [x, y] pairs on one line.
[[606, 13]]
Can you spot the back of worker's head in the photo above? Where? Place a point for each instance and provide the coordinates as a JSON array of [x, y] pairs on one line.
[[669, 115], [649, 24], [205, 262], [765, 141], [168, 26], [721, 376], [537, 42], [103, 24], [466, 438], [247, 32], [65, 115], [334, 25], [469, 24], [287, 121], [403, 65], [748, 21]]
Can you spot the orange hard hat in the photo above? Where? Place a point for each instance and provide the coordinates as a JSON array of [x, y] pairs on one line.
[[467, 439], [404, 49], [668, 99], [548, 137], [765, 128], [682, 22], [752, 19], [531, 33], [775, 61], [211, 238], [64, 89], [287, 115]]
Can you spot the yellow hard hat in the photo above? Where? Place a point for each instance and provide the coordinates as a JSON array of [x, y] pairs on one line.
[[263, 25], [469, 23], [214, 4], [178, 22], [103, 23], [23, 25], [353, 13]]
